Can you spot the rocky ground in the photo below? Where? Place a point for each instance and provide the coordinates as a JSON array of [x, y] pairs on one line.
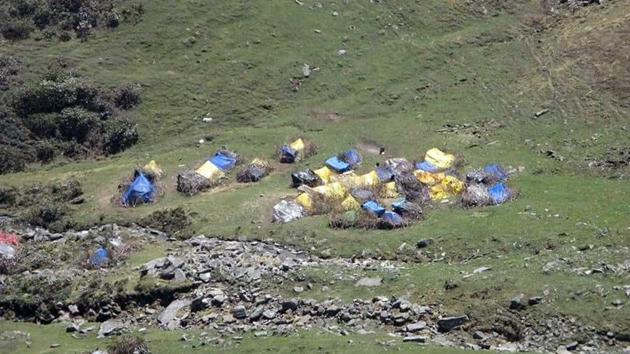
[[231, 288]]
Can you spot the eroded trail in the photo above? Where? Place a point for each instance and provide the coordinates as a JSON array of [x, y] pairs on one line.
[[237, 287]]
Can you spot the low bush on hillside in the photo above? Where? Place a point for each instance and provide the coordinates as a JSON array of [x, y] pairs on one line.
[[19, 19], [61, 115]]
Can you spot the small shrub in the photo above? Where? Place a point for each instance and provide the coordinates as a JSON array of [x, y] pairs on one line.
[[15, 30], [127, 97], [120, 135], [129, 345], [176, 222], [8, 196]]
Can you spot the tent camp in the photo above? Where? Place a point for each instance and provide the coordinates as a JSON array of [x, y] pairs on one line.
[[224, 160], [292, 152], [141, 190]]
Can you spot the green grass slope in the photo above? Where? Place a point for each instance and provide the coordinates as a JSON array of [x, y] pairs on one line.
[[409, 69]]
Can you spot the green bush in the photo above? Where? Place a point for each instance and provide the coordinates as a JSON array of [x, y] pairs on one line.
[[62, 115], [127, 97], [176, 222], [15, 30], [120, 135], [21, 17], [129, 345]]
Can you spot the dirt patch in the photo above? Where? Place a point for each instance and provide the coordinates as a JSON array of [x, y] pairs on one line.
[[326, 116], [371, 147]]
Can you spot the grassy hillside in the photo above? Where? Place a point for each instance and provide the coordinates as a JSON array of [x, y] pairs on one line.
[[466, 78]]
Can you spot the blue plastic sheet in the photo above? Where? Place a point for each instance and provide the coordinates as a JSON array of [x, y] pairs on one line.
[[338, 165], [140, 191], [374, 208], [496, 171], [352, 157], [384, 174], [427, 167], [99, 258], [399, 205], [499, 193], [225, 162], [392, 218], [288, 154]]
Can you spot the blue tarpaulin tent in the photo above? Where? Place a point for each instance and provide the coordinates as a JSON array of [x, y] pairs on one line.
[[141, 191], [374, 208], [99, 258], [288, 154], [400, 205], [499, 193], [224, 161], [384, 174], [392, 218], [338, 165], [427, 167], [496, 171], [352, 157]]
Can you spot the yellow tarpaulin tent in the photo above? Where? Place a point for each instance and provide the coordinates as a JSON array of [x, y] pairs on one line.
[[154, 168], [350, 204], [305, 200], [332, 192], [439, 158], [450, 186], [368, 180], [325, 174], [298, 145], [429, 178], [210, 171], [389, 190]]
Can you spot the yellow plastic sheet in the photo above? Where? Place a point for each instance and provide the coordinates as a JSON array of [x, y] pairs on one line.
[[260, 163], [305, 201], [350, 204], [348, 179], [389, 190], [449, 187], [297, 145], [429, 178], [332, 192], [368, 180], [439, 158], [210, 171], [154, 168], [325, 174]]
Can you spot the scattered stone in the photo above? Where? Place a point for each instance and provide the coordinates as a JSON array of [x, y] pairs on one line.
[[55, 345], [291, 304], [535, 300], [572, 346], [169, 317], [269, 314], [73, 309], [306, 70], [368, 282], [341, 52], [72, 327], [111, 327], [416, 327], [416, 339], [447, 324], [298, 289], [517, 302], [239, 312], [479, 335], [260, 334], [481, 270], [179, 275], [541, 112]]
